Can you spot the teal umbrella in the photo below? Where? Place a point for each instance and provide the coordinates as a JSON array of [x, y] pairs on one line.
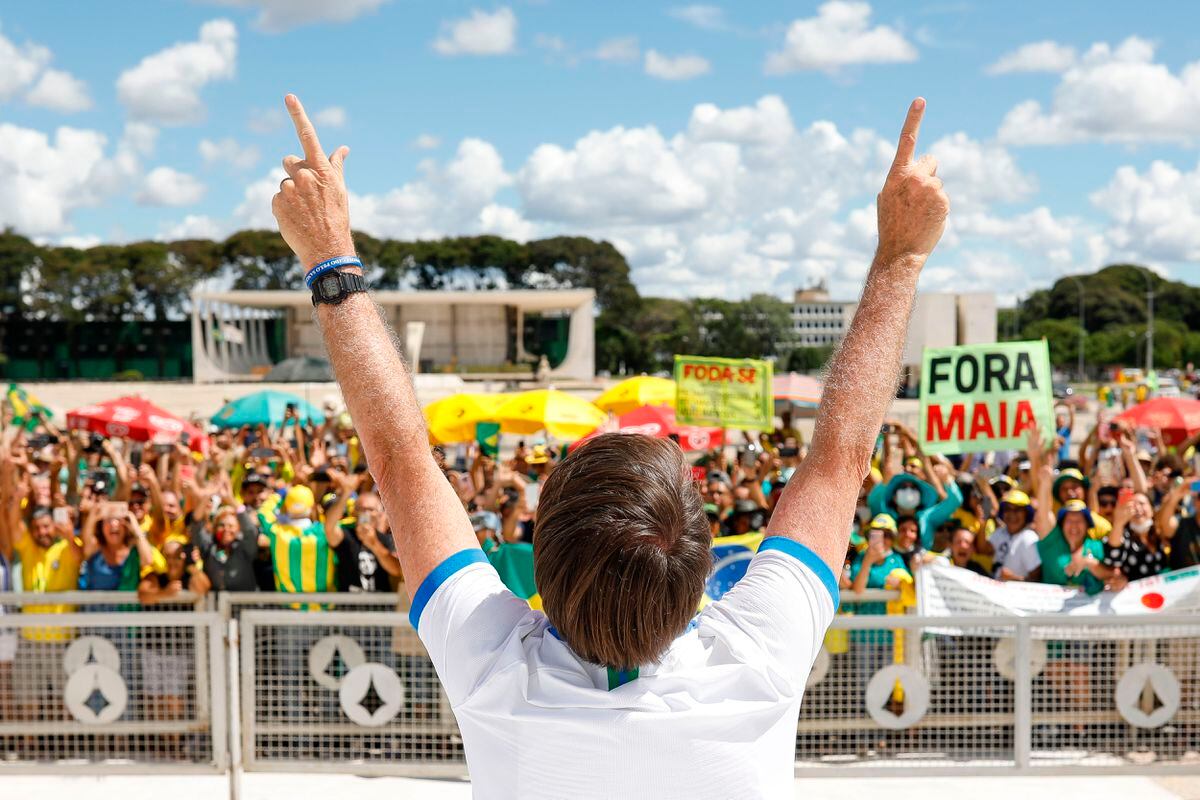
[[265, 408]]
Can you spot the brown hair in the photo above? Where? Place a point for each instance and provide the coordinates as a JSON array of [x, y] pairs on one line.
[[621, 549]]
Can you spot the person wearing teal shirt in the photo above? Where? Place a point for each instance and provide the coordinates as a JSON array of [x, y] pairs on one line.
[[1069, 556], [909, 495], [873, 568]]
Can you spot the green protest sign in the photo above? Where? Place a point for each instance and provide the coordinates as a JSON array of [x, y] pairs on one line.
[[984, 396], [724, 392]]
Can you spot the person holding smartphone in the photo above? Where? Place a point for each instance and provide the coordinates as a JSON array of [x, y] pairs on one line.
[[363, 543], [1182, 533]]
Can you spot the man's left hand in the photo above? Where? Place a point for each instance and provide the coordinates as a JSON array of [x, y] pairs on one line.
[[312, 205]]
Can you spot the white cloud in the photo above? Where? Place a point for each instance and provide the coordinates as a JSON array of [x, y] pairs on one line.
[[1153, 215], [481, 34], [60, 91], [266, 120], [79, 241], [1044, 56], [1113, 95], [192, 226], [977, 175], [507, 222], [707, 17], [165, 87], [46, 178], [447, 199], [427, 141], [555, 44], [675, 68], [19, 66], [228, 152], [839, 36], [164, 186], [622, 49], [276, 16], [332, 117]]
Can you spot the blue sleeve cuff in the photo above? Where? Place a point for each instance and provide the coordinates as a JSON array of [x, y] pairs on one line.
[[440, 574], [806, 557]]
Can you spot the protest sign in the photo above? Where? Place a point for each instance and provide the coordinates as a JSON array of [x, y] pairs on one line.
[[724, 392], [984, 396]]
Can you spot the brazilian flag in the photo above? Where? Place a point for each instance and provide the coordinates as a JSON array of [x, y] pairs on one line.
[[731, 556], [25, 407]]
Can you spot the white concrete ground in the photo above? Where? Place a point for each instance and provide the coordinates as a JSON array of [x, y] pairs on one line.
[[301, 787]]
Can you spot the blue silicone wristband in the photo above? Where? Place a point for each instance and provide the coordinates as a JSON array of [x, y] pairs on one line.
[[328, 264]]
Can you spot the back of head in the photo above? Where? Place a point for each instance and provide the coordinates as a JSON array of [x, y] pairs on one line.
[[621, 549]]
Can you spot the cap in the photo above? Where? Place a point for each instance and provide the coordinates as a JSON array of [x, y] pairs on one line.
[[1075, 507], [255, 478], [1015, 498], [485, 520], [746, 507], [138, 488], [539, 455], [883, 522], [712, 510], [1071, 474], [1144, 455], [1002, 480], [299, 496]]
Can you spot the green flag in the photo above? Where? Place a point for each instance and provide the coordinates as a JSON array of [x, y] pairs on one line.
[[487, 434]]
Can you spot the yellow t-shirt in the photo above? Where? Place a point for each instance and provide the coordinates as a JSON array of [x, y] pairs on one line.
[[48, 569]]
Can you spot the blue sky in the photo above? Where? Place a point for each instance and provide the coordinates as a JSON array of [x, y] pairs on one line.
[[725, 148]]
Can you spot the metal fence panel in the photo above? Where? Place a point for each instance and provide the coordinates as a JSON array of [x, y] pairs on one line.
[[342, 691], [111, 691]]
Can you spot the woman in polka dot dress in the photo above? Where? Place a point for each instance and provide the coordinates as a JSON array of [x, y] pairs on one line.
[[1134, 546]]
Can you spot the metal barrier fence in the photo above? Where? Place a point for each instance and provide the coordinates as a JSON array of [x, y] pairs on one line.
[[312, 683]]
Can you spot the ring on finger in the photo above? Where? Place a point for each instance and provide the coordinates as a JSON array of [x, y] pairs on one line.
[[282, 182]]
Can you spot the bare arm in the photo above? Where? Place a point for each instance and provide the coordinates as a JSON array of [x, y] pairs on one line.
[[312, 210], [1165, 521], [817, 507]]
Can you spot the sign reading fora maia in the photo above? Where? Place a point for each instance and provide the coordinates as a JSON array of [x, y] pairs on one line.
[[984, 396]]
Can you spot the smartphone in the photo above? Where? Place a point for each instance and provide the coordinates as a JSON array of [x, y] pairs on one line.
[[789, 452], [1124, 496], [262, 452], [61, 516], [874, 536], [185, 438], [115, 509], [135, 456], [163, 448]]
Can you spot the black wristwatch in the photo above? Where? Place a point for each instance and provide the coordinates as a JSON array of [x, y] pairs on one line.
[[333, 287]]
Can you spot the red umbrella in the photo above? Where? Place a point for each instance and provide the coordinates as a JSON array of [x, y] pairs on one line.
[[1179, 417], [659, 422], [135, 418]]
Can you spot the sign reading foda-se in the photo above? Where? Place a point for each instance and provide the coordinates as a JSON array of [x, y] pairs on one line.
[[724, 392], [984, 396]]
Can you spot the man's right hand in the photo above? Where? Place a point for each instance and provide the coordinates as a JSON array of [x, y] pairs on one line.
[[912, 207]]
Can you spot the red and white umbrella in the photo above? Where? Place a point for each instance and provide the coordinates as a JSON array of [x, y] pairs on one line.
[[659, 422], [135, 418], [1179, 417], [798, 389]]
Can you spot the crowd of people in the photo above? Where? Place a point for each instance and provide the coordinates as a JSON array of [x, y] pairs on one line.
[[292, 509]]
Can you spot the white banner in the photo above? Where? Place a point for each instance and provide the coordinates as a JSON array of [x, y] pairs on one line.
[[944, 590]]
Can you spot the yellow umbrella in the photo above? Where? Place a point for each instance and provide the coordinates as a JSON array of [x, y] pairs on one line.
[[644, 390], [563, 416], [452, 419]]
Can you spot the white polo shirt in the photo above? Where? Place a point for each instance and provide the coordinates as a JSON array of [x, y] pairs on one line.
[[1017, 551], [714, 718]]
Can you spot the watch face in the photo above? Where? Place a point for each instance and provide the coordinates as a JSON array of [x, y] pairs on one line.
[[330, 286]]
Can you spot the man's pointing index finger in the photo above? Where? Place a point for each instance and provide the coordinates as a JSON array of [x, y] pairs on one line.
[[307, 134], [908, 135]]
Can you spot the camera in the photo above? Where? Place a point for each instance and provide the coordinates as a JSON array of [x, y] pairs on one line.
[[95, 444]]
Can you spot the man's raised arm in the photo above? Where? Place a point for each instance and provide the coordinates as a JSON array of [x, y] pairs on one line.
[[313, 214], [817, 507]]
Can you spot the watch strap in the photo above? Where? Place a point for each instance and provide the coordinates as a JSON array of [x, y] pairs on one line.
[[348, 283]]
